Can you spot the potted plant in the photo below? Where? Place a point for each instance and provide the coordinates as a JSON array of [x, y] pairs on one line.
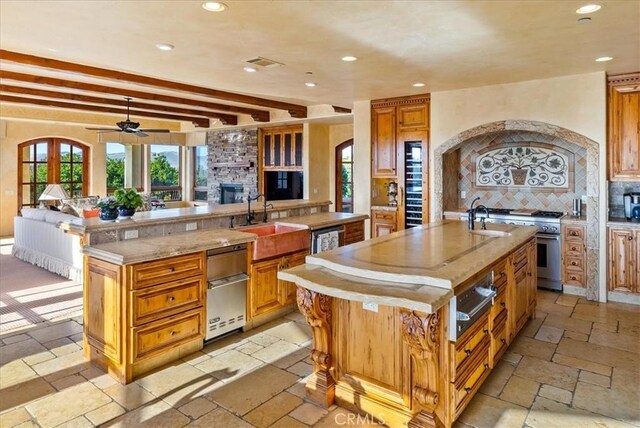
[[128, 200], [108, 208]]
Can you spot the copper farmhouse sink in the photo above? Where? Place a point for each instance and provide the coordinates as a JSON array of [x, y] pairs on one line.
[[276, 239]]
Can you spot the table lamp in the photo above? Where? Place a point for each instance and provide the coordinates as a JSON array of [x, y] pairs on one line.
[[53, 192]]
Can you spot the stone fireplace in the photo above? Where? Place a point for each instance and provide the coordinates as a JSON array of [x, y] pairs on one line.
[[453, 172], [232, 160]]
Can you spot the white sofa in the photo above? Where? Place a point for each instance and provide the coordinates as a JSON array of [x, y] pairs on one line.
[[37, 240]]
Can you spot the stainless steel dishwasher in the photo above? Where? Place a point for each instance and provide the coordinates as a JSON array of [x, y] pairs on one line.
[[226, 290]]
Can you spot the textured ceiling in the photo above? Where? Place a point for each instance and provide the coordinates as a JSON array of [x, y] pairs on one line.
[[445, 44]]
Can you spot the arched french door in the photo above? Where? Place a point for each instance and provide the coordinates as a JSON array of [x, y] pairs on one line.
[[51, 160], [344, 177]]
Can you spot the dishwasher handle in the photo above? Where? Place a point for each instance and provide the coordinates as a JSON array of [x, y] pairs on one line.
[[227, 281]]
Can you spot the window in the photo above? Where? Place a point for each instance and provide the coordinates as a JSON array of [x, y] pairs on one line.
[[51, 160], [282, 180], [165, 172], [115, 166], [344, 177], [200, 173]]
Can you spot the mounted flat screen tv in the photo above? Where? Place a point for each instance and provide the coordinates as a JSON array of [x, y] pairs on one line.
[[282, 185]]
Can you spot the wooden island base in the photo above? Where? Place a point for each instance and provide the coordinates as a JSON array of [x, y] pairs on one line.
[[399, 365]]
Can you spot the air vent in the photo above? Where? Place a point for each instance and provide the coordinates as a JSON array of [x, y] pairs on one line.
[[264, 62]]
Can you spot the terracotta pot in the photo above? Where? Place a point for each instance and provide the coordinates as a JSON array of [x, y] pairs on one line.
[[519, 175]]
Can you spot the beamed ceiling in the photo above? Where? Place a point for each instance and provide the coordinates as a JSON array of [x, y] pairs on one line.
[[88, 55]]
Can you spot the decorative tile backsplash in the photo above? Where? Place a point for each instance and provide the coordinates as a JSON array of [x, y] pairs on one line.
[[522, 166], [520, 196]]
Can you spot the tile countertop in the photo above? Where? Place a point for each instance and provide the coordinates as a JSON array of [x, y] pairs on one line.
[[322, 220], [169, 215], [416, 268], [621, 222], [145, 249], [383, 208], [569, 219]]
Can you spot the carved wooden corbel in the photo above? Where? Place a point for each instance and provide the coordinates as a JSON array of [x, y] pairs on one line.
[[422, 333], [317, 309]]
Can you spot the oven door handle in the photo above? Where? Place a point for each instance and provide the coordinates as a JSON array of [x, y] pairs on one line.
[[548, 236]]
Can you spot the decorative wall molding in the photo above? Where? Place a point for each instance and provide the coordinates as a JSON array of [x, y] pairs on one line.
[[392, 102]]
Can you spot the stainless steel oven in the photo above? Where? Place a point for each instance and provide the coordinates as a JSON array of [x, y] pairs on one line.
[[549, 261], [466, 308]]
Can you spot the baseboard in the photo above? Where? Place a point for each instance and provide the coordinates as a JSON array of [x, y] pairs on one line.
[[573, 290], [620, 297]]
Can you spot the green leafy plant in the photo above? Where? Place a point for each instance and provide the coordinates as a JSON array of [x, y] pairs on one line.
[[128, 198], [108, 203]]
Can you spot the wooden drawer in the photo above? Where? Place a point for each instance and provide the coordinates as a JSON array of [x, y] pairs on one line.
[[165, 270], [574, 233], [499, 342], [159, 336], [381, 216], [520, 258], [574, 264], [470, 342], [574, 278], [573, 248], [467, 386], [151, 303], [353, 232], [498, 309]]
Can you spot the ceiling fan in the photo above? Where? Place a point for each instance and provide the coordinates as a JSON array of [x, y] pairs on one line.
[[128, 126]]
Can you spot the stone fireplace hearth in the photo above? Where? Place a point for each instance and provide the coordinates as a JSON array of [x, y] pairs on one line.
[[586, 179]]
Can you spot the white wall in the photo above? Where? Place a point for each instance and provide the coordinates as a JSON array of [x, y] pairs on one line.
[[362, 161], [577, 103], [338, 134]]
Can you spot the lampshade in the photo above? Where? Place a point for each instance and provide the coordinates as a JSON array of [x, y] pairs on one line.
[[53, 192]]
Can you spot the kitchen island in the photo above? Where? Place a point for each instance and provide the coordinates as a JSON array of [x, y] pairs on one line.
[[384, 323]]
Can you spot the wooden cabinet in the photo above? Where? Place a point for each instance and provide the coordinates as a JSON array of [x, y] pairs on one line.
[[353, 232], [282, 148], [138, 317], [413, 116], [267, 293], [522, 289], [624, 254], [574, 255], [383, 222], [624, 127], [383, 134]]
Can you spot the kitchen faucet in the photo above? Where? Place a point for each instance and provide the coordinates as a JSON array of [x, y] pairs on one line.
[[264, 208], [483, 219], [472, 215], [250, 215]]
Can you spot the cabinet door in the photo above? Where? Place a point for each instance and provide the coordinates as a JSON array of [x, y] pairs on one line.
[[288, 290], [532, 273], [521, 297], [624, 128], [413, 117], [383, 136], [622, 259], [264, 286], [382, 229]]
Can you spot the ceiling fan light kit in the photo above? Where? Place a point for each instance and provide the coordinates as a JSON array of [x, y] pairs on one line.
[[130, 127]]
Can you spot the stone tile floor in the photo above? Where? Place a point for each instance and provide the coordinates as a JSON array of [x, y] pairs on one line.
[[576, 365]]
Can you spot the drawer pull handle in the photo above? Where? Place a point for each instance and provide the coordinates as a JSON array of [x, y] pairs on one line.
[[467, 389], [573, 277], [574, 233], [574, 248], [485, 332], [173, 333], [503, 274], [486, 366], [171, 298], [573, 263], [503, 304], [172, 269], [630, 238], [503, 340], [467, 351]]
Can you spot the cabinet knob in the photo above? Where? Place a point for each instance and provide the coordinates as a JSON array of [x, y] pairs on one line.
[[485, 332], [486, 366], [573, 277], [467, 389], [171, 298], [172, 269], [574, 248], [503, 341], [574, 263], [630, 238], [467, 351], [574, 233], [173, 333], [503, 304]]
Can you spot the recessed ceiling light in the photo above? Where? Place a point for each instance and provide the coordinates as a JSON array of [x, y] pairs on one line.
[[349, 58], [418, 85], [588, 8], [250, 69], [604, 59], [310, 84], [165, 46], [214, 6]]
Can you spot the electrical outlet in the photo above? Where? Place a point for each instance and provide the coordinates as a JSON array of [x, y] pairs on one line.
[[131, 234], [315, 191], [463, 194], [313, 210], [373, 307], [192, 226], [584, 198]]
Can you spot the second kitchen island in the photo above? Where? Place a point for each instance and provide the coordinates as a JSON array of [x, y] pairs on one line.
[[407, 327]]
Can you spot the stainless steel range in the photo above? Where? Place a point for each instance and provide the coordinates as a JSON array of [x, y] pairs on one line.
[[548, 224]]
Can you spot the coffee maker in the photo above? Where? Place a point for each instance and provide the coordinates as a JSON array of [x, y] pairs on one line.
[[632, 206]]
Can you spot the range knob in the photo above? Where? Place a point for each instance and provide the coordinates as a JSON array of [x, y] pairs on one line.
[[545, 228], [554, 229]]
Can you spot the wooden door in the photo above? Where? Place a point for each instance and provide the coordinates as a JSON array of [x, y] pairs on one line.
[[414, 116], [288, 290], [383, 138], [622, 259], [624, 129], [264, 286]]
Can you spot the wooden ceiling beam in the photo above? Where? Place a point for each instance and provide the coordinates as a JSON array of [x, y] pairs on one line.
[[296, 110], [225, 118], [198, 121], [257, 115]]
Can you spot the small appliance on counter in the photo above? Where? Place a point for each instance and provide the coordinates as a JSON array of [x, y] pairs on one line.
[[577, 207], [392, 192], [632, 206]]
